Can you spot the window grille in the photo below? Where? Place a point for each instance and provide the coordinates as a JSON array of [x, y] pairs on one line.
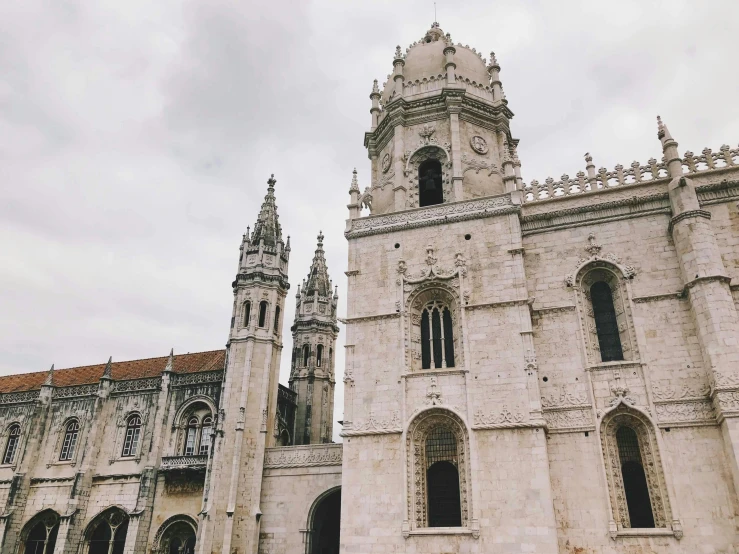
[[442, 478], [133, 435], [606, 324], [247, 313], [437, 337], [263, 313], [12, 445], [635, 482], [70, 441]]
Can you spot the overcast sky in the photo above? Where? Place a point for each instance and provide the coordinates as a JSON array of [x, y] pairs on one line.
[[136, 139]]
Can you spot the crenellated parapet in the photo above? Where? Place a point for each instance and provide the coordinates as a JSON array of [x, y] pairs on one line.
[[708, 161]]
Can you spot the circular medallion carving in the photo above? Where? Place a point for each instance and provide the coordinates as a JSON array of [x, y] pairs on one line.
[[479, 144], [385, 163]]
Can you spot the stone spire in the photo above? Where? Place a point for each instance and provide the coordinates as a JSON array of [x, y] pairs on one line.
[[268, 227], [108, 372], [49, 381], [318, 281]]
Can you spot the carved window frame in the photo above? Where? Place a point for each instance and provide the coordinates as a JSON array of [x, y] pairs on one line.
[[416, 494], [625, 416], [414, 161], [612, 275], [59, 441], [442, 295], [5, 441], [164, 535], [193, 405], [246, 314]]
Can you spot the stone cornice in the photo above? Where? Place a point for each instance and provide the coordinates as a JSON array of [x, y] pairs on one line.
[[432, 215], [686, 215], [260, 276]]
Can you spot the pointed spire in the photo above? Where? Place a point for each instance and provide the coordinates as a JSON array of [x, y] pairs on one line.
[[663, 133], [49, 381], [318, 280], [170, 362], [108, 373], [268, 224], [287, 246]]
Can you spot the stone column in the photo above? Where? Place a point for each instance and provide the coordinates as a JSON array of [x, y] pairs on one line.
[[399, 189], [707, 287], [454, 106]]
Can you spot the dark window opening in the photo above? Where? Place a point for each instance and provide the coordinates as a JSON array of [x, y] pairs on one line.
[[606, 324], [42, 538], [448, 339], [306, 355], [442, 479], [109, 536], [277, 319], [635, 481], [262, 313], [425, 341], [247, 313], [430, 190], [330, 357], [69, 444], [319, 355]]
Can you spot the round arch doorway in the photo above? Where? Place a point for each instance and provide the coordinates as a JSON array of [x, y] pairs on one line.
[[324, 524]]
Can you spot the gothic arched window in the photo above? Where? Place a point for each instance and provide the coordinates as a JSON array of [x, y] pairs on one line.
[[319, 355], [442, 479], [606, 324], [39, 535], [191, 436], [263, 313], [634, 479], [247, 313], [133, 436], [205, 433], [107, 533], [438, 478], [437, 336], [69, 444], [430, 188], [306, 355], [14, 435], [277, 318]]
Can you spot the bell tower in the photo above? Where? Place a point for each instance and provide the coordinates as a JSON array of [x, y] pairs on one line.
[[231, 512], [314, 350]]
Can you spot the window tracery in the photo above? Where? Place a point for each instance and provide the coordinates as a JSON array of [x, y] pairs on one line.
[[636, 480], [132, 437], [39, 535], [437, 447], [195, 424], [106, 534], [434, 330]]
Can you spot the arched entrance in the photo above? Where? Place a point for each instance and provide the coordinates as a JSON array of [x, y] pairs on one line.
[[176, 536], [324, 524], [39, 534]]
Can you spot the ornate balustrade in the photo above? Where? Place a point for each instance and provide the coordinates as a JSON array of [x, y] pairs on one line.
[[622, 177], [170, 463]]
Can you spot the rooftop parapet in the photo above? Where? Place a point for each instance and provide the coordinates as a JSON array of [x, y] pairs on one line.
[[620, 177]]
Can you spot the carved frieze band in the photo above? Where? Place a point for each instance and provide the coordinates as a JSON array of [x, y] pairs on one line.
[[569, 420], [373, 425], [197, 378], [369, 318], [501, 304], [423, 217], [19, 397], [135, 385], [501, 418], [303, 456], [683, 406], [80, 390]]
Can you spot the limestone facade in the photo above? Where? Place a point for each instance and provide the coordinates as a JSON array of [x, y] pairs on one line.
[[530, 368]]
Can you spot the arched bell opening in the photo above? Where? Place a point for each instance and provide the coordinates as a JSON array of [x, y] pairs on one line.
[[430, 183], [325, 523]]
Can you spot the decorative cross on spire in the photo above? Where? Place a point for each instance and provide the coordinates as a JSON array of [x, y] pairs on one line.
[[320, 238], [272, 181]]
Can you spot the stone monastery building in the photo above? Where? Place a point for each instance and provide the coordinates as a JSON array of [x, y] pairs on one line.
[[530, 368]]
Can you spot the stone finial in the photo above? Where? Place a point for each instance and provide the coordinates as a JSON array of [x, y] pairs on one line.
[[287, 246], [355, 184], [320, 238], [108, 372], [271, 182], [493, 61], [663, 133], [170, 362], [375, 88], [398, 53], [247, 236], [49, 381], [588, 157]]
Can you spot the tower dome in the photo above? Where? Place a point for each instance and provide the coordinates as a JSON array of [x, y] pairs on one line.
[[425, 59]]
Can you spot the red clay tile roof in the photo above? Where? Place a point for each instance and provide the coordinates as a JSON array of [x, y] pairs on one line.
[[121, 371]]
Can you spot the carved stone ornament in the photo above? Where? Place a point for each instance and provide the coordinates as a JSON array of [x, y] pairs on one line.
[[303, 456], [385, 163], [479, 144], [426, 133], [594, 249]]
